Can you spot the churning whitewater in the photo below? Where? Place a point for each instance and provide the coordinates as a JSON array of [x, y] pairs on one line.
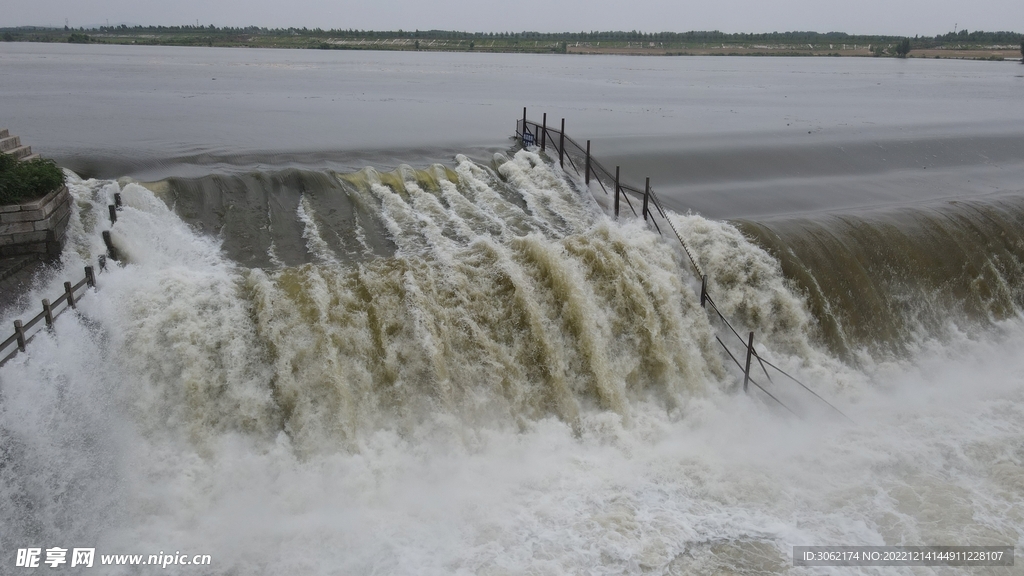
[[472, 370]]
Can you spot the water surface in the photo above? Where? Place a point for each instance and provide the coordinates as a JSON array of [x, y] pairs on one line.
[[727, 137]]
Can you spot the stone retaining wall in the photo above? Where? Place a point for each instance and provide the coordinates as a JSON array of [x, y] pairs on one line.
[[36, 227]]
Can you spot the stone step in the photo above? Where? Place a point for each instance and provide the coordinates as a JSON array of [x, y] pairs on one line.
[[4, 133], [20, 152], [14, 264], [9, 143], [30, 157]]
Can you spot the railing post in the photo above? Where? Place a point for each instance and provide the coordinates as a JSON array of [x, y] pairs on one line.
[[111, 250], [90, 278], [647, 195], [523, 134], [587, 170], [48, 313], [703, 290], [117, 200], [544, 133], [21, 335], [113, 213], [616, 191], [561, 146], [750, 353], [70, 294]]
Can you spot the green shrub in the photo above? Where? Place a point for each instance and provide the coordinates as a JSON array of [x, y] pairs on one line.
[[24, 181]]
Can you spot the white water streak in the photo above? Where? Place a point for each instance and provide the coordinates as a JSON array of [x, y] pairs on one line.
[[315, 242]]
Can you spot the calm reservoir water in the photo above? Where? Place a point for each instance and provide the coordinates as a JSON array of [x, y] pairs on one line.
[[356, 330]]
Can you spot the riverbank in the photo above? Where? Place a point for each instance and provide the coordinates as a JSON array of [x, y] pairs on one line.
[[995, 53], [973, 46]]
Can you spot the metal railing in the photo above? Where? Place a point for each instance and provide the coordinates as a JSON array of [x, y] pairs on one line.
[[530, 133], [751, 352], [583, 163]]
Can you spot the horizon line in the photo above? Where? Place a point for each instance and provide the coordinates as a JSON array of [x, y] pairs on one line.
[[129, 26]]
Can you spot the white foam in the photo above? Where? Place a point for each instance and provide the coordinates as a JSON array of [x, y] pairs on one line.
[[285, 422]]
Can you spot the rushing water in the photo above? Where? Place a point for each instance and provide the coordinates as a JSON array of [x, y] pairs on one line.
[[466, 367]]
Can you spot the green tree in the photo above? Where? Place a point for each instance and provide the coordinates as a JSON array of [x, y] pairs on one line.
[[1022, 51], [903, 48]]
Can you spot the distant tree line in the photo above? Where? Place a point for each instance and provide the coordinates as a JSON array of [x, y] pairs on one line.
[[692, 37], [976, 37]]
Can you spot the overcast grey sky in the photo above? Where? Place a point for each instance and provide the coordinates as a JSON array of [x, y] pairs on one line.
[[898, 17]]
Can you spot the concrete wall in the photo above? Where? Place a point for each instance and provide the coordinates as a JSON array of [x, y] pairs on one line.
[[35, 227]]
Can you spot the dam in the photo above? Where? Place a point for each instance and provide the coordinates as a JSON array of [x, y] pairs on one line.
[[395, 341]]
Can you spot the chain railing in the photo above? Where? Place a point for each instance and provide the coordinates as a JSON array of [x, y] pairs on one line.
[[532, 134]]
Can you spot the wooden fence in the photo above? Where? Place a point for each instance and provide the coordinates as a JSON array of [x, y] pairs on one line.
[[25, 332], [51, 310]]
